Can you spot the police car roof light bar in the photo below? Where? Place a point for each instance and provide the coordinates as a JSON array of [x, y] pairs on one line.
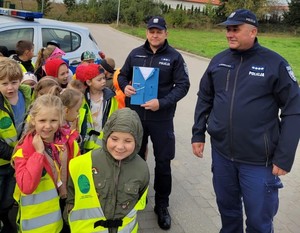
[[28, 15]]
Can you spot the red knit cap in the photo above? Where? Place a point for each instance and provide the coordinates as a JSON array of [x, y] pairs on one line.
[[86, 72], [53, 65]]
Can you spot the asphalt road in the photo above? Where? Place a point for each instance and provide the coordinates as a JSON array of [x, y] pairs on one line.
[[192, 202]]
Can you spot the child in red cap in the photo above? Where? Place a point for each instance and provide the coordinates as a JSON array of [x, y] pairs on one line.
[[100, 99], [58, 68]]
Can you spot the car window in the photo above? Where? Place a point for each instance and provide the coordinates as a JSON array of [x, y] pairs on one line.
[[9, 38], [69, 41]]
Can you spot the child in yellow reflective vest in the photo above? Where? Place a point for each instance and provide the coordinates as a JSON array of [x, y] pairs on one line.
[[101, 103], [41, 166], [14, 102], [107, 186]]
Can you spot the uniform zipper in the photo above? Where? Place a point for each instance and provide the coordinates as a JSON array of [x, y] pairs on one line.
[[227, 80], [231, 107]]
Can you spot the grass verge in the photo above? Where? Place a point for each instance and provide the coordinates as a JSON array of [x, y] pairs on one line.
[[207, 43]]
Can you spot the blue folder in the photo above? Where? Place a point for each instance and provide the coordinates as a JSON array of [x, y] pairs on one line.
[[145, 82]]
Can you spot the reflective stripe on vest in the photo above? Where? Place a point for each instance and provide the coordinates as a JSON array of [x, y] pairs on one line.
[[34, 223], [86, 214], [38, 198], [87, 207], [39, 211]]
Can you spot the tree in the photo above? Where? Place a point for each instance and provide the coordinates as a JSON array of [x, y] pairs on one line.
[[292, 17], [259, 7], [70, 4], [108, 11], [44, 6]]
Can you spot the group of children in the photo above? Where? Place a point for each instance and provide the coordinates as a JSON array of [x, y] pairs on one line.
[[67, 145]]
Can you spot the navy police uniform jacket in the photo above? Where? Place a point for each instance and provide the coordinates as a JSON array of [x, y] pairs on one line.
[[249, 103], [173, 82]]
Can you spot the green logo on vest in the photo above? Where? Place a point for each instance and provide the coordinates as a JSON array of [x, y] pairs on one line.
[[5, 123], [84, 184]]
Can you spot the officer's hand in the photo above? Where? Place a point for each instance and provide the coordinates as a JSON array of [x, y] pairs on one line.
[[198, 148], [277, 171], [129, 90], [152, 105]]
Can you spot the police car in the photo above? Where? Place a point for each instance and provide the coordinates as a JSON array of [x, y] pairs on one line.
[[18, 25]]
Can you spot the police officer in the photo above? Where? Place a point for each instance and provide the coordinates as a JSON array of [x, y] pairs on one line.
[[240, 96], [157, 114]]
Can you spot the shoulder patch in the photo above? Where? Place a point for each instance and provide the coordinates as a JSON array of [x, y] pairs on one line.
[[291, 73]]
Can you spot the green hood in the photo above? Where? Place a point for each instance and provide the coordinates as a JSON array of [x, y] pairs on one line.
[[127, 121]]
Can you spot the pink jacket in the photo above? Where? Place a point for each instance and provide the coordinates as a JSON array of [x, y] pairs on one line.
[[29, 168]]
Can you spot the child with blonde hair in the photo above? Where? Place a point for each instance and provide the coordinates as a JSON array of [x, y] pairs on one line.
[[41, 167], [43, 55], [14, 103], [85, 117], [47, 85], [72, 100], [77, 85]]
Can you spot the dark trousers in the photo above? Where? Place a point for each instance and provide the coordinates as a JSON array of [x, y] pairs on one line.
[[66, 227], [254, 186], [163, 139], [7, 186]]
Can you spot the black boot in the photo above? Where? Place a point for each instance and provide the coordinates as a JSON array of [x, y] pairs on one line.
[[163, 217]]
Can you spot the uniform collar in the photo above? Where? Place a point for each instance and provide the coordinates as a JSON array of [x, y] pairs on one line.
[[162, 48]]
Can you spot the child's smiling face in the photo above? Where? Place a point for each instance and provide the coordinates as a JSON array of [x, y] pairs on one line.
[[47, 123], [120, 145]]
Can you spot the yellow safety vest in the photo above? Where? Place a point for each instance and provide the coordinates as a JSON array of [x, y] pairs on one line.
[[87, 208], [85, 113], [39, 212], [8, 131], [93, 141], [23, 67]]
